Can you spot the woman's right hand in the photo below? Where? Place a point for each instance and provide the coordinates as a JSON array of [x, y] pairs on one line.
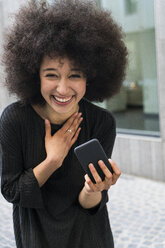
[[58, 145]]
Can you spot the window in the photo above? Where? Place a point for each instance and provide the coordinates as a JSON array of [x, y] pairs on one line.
[[98, 2], [130, 7], [136, 108]]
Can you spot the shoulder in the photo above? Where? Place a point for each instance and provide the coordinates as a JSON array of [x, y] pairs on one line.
[[101, 124], [13, 114], [98, 114]]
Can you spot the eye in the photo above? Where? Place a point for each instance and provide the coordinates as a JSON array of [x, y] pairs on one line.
[[75, 76], [51, 75]]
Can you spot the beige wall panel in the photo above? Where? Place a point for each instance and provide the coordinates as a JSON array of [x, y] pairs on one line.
[[157, 165], [140, 156]]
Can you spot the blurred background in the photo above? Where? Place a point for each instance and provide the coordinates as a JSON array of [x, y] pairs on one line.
[[139, 107]]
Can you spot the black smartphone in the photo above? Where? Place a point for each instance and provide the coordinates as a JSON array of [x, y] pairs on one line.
[[91, 152]]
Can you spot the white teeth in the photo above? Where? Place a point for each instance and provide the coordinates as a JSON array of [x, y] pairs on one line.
[[62, 99]]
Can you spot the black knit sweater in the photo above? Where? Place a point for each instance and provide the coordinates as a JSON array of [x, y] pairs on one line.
[[51, 216]]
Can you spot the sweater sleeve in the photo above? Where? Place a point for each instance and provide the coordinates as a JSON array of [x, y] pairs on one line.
[[18, 186], [105, 131]]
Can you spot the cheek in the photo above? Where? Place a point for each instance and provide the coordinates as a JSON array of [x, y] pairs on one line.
[[80, 91], [45, 87], [82, 88]]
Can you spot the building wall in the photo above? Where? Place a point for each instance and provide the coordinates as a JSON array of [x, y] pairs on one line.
[[141, 20], [140, 155], [7, 8]]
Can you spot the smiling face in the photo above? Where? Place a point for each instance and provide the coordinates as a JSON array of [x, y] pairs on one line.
[[62, 86]]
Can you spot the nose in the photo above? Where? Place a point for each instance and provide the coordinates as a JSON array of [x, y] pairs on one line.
[[62, 87]]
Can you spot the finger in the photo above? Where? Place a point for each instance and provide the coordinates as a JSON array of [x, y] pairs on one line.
[[108, 175], [106, 171], [76, 122], [95, 175], [47, 129], [116, 170], [115, 167], [90, 183], [68, 123], [72, 131], [114, 179], [75, 136]]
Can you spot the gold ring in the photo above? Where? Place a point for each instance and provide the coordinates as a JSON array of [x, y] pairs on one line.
[[69, 130]]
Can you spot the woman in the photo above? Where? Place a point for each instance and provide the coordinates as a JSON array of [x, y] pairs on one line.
[[59, 57]]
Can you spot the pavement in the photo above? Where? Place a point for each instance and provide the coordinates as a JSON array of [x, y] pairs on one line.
[[136, 209]]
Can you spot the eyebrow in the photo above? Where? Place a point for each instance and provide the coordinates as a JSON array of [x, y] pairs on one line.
[[54, 69]]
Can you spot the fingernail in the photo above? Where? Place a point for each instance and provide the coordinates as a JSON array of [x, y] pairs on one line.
[[86, 177], [91, 165], [101, 162]]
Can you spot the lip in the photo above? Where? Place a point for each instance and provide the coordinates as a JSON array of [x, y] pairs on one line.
[[62, 103]]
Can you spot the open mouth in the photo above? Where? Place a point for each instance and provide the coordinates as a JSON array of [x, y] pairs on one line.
[[63, 100]]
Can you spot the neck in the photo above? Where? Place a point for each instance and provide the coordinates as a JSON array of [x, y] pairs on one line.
[[55, 118]]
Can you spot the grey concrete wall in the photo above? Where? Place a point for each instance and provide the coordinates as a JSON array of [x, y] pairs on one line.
[[7, 8], [160, 42], [140, 156]]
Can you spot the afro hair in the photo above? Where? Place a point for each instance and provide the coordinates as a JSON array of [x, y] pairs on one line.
[[77, 29]]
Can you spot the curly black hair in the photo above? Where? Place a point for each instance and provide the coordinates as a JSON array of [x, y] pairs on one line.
[[77, 29]]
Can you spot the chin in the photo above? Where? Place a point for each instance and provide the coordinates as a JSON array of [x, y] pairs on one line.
[[64, 109]]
